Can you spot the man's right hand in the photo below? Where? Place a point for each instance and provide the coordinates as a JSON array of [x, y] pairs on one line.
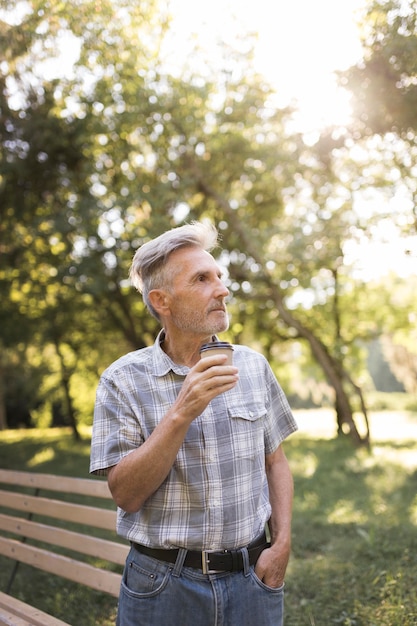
[[206, 380]]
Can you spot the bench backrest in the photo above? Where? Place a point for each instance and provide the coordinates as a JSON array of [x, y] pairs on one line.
[[31, 505]]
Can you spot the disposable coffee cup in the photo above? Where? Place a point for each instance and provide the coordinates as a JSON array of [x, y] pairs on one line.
[[218, 347]]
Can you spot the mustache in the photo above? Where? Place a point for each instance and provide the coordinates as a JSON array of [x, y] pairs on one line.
[[218, 306]]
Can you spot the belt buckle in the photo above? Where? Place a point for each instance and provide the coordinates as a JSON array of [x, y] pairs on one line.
[[205, 562]]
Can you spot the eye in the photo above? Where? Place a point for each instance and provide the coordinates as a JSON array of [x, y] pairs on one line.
[[201, 278]]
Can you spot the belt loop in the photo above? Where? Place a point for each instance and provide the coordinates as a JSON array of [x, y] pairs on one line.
[[246, 564], [179, 563], [236, 561]]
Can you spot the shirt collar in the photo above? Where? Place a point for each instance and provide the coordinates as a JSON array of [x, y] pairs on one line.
[[162, 363]]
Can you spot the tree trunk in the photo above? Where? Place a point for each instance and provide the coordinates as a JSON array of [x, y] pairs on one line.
[[3, 418], [65, 379], [334, 373], [70, 406]]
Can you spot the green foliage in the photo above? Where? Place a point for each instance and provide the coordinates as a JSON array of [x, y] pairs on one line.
[[383, 84], [393, 401], [96, 162], [61, 283]]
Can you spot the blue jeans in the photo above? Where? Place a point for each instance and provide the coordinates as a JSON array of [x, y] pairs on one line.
[[154, 592]]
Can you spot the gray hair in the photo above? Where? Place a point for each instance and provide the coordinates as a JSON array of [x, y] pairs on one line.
[[148, 264]]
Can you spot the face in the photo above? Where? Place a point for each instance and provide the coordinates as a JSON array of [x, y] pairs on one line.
[[197, 293]]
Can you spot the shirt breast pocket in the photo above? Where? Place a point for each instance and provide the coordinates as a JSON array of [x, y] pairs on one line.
[[247, 423]]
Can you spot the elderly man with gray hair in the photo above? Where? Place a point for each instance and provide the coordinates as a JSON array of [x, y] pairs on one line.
[[191, 448]]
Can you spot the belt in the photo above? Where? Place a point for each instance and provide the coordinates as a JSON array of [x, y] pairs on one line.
[[210, 561]]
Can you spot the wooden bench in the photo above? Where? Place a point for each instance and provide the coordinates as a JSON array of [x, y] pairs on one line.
[[31, 534]]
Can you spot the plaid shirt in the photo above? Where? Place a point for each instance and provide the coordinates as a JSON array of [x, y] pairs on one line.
[[216, 494]]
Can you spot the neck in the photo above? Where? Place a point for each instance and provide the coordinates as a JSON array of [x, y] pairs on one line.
[[184, 350]]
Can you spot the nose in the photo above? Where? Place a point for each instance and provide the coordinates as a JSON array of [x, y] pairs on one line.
[[221, 289]]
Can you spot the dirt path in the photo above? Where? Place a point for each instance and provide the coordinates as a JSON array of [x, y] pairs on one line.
[[393, 433], [385, 426]]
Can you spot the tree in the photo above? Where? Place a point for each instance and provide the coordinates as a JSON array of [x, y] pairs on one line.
[[54, 260], [384, 95], [246, 199], [96, 164], [383, 83]]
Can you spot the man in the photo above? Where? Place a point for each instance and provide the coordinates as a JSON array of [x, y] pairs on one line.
[[191, 450]]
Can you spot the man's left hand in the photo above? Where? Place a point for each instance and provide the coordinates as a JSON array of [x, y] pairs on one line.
[[271, 566]]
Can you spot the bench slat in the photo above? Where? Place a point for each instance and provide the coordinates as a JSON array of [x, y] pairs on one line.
[[92, 516], [93, 546], [14, 612], [60, 565], [66, 484]]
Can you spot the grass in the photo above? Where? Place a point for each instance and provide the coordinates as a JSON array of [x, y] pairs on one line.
[[354, 560]]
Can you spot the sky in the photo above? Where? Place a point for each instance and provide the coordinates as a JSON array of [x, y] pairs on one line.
[[300, 45]]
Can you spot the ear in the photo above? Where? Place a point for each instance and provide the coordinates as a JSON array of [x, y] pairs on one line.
[[159, 299]]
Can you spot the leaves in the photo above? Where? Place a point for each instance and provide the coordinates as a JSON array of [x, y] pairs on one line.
[[117, 150], [383, 84]]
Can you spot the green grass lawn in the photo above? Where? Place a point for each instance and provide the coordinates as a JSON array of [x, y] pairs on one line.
[[354, 560]]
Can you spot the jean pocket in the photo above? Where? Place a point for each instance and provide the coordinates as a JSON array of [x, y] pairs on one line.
[[258, 581], [144, 577]]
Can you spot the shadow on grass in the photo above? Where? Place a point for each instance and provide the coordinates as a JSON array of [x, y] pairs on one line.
[[69, 601], [354, 559], [354, 535], [50, 451]]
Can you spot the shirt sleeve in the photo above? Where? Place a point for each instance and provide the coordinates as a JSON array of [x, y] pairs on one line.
[[116, 430], [280, 422]]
